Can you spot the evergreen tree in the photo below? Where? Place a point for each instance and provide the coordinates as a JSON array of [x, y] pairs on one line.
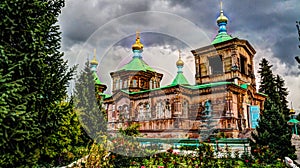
[[91, 113], [272, 137], [35, 127], [283, 93]]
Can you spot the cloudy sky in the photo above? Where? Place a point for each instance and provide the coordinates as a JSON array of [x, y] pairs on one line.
[[166, 26]]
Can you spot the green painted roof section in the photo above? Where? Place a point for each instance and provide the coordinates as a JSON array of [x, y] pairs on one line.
[[137, 64], [180, 80], [221, 37], [105, 95], [245, 85], [294, 121], [208, 85], [203, 86], [96, 79], [262, 94]]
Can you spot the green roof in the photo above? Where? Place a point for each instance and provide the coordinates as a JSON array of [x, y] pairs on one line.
[[221, 37], [294, 121], [208, 85], [202, 86], [96, 79], [137, 64], [180, 80], [245, 85], [105, 95]]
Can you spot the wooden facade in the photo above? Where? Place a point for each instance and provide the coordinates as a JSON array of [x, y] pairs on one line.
[[177, 110]]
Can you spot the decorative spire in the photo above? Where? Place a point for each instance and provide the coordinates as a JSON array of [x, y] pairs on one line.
[[179, 63], [292, 111], [180, 78], [94, 60], [137, 45], [222, 22]]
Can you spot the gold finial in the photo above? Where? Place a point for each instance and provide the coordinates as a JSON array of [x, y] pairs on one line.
[[94, 60], [137, 34], [292, 111], [222, 18], [137, 45], [179, 62]]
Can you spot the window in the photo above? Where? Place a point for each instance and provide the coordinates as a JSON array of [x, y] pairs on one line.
[[147, 111], [125, 84], [134, 83], [167, 109], [185, 108], [216, 65], [243, 65], [120, 82], [150, 84], [126, 112], [159, 110], [141, 112], [117, 84]]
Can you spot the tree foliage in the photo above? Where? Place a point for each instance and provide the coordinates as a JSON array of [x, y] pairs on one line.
[[272, 137], [37, 125], [92, 115]]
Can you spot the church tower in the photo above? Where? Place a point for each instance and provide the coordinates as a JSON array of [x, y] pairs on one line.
[[180, 78], [226, 59], [136, 75]]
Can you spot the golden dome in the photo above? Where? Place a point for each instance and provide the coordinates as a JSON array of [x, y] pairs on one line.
[[94, 62], [137, 45], [222, 18], [179, 62]]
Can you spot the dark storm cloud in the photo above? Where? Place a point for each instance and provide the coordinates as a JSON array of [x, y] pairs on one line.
[[267, 23], [253, 20], [80, 18]]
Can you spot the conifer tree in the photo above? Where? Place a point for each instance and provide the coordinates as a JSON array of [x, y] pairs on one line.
[[282, 93], [91, 113], [272, 137], [35, 126]]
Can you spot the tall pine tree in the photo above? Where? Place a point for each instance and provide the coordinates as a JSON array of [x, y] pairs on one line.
[[272, 137], [35, 126], [92, 115]]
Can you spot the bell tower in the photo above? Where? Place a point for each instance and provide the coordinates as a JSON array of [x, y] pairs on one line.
[[226, 59]]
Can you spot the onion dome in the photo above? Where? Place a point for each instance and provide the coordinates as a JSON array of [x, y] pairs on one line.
[[222, 23], [137, 45], [222, 18]]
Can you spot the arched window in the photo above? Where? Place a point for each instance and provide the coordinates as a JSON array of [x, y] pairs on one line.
[[134, 83], [159, 109], [121, 84], [185, 108], [147, 111], [125, 85], [141, 111], [126, 112], [150, 84], [117, 84], [167, 109]]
